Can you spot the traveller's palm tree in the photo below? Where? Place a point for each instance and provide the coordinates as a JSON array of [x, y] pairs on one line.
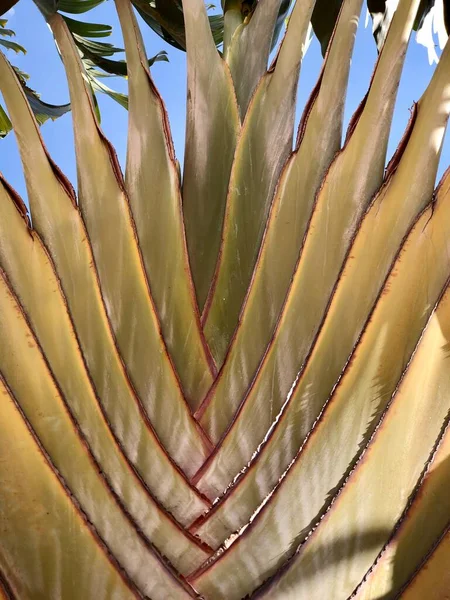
[[238, 384]]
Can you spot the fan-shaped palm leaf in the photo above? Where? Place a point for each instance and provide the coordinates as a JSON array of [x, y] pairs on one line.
[[238, 385]]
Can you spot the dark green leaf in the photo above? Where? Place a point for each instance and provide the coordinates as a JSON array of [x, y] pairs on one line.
[[216, 24], [42, 110], [168, 15], [5, 123], [101, 48], [77, 7], [21, 74], [88, 29], [95, 58], [160, 57], [118, 67], [166, 19], [13, 46], [153, 23], [282, 14], [112, 67], [323, 20], [98, 86]]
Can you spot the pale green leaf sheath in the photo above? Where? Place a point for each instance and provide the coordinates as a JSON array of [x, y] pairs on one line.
[[384, 477], [370, 257], [35, 510], [321, 128], [105, 209], [263, 147], [44, 406], [30, 272], [247, 49], [343, 429], [154, 190], [347, 189], [234, 385], [420, 526], [212, 129], [57, 220]]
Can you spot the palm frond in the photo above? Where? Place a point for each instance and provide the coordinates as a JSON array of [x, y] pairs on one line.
[[236, 385]]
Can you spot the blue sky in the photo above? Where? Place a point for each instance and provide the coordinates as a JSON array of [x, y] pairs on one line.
[[47, 76]]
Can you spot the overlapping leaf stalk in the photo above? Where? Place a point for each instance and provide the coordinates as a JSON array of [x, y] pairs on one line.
[[238, 384], [166, 18]]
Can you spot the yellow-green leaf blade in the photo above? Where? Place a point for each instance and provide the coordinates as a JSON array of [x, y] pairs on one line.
[[377, 491], [264, 146], [345, 193], [321, 134], [60, 226], [105, 209], [433, 580], [31, 274], [247, 52], [416, 533], [212, 130], [26, 373], [43, 514], [371, 255], [153, 187], [350, 416]]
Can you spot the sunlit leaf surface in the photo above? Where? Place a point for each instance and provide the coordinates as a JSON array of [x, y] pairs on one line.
[[233, 383]]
